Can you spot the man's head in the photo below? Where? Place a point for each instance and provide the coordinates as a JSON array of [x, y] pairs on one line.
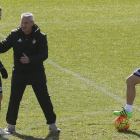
[[27, 21], [0, 12]]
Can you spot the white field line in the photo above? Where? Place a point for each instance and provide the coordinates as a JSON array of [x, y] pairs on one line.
[[69, 118], [116, 97], [2, 35], [73, 22], [61, 120]]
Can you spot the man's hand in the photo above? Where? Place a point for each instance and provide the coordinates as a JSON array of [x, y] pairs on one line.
[[25, 59], [4, 73]]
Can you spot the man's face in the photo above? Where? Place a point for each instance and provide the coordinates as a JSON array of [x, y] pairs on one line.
[[26, 25]]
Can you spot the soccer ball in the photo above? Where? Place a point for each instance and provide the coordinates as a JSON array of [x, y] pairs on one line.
[[121, 123]]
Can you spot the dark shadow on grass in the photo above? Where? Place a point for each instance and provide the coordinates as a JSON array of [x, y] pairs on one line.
[[50, 136], [2, 138], [130, 132]]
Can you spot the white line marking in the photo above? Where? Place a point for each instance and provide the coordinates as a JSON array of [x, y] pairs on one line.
[[93, 21], [73, 22], [61, 120], [2, 35], [65, 119], [90, 83]]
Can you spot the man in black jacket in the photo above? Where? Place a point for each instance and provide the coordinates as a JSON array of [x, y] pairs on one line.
[[30, 50]]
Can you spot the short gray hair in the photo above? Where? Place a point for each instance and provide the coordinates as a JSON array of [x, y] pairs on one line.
[[28, 15]]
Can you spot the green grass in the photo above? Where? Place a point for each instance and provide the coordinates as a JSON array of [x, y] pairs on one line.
[[96, 44]]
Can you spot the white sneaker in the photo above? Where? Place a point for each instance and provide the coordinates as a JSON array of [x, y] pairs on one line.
[[10, 128], [3, 132], [54, 128]]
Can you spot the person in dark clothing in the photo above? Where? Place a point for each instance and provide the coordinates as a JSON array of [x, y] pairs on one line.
[[5, 76], [2, 70], [30, 50]]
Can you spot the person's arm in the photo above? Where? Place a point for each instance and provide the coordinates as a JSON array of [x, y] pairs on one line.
[[3, 71], [6, 44]]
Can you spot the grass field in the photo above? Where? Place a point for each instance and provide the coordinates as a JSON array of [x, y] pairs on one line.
[[93, 47]]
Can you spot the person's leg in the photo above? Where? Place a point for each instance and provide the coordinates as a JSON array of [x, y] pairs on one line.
[[44, 100], [131, 82], [12, 113], [15, 98], [17, 88], [1, 131]]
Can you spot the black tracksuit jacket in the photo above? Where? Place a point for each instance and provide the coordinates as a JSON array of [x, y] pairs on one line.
[[35, 48]]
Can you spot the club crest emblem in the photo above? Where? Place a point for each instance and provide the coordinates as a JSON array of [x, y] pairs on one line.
[[34, 41]]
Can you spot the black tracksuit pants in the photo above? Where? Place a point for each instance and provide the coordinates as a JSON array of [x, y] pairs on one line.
[[19, 82]]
